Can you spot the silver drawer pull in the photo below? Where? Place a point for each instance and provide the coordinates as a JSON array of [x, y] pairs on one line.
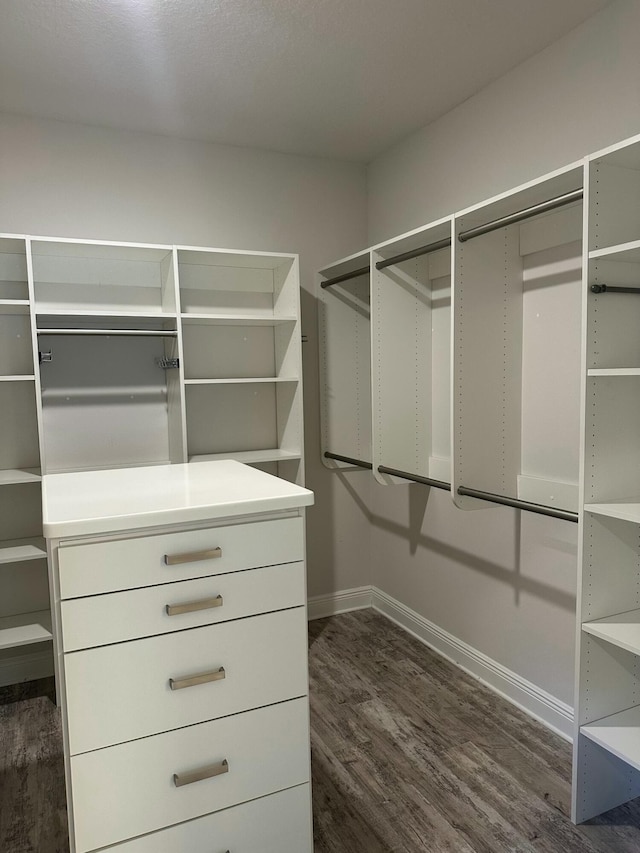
[[192, 556], [194, 680], [192, 606], [180, 779]]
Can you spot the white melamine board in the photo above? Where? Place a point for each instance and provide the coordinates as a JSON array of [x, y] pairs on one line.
[[616, 213], [13, 269], [15, 344], [104, 402], [612, 468], [614, 371], [18, 378], [249, 457], [487, 353], [345, 339], [14, 306], [601, 780], [619, 734], [622, 630], [251, 380], [609, 678], [279, 823], [551, 335], [289, 417], [22, 550], [98, 620], [25, 629], [440, 364], [628, 253], [234, 320], [15, 476], [267, 750], [626, 509], [264, 660], [18, 425], [24, 585]]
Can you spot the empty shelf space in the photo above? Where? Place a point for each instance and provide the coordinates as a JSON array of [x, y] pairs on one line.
[[241, 381], [614, 371], [248, 456], [626, 252], [21, 550], [234, 320], [619, 734], [25, 629], [626, 509], [621, 630], [14, 476]]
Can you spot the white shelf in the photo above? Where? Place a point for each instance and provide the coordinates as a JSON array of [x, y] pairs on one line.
[[14, 476], [242, 381], [614, 371], [626, 252], [42, 310], [248, 457], [621, 630], [21, 550], [234, 320], [25, 377], [619, 734], [14, 306], [626, 509], [25, 629]]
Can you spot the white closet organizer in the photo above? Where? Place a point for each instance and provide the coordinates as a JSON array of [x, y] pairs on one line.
[[410, 320], [516, 348], [607, 732], [25, 624], [344, 319]]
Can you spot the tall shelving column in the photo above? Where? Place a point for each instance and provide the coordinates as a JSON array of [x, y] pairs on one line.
[[25, 624], [606, 769]]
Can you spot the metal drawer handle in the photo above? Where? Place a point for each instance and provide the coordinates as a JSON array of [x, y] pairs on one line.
[[180, 779], [192, 556], [192, 606], [194, 680]]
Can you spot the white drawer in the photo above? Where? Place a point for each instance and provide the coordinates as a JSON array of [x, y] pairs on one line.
[[121, 692], [129, 563], [279, 823], [127, 790], [118, 616]]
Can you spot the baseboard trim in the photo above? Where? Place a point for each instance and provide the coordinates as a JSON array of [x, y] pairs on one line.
[[321, 606], [533, 700], [29, 667]]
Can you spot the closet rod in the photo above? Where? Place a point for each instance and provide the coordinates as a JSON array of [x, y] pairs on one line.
[[349, 460], [519, 215], [606, 288], [345, 276], [416, 478], [140, 333], [541, 509], [414, 253]]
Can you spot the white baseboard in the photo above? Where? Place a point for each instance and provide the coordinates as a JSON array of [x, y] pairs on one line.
[[29, 667], [547, 709], [339, 602]]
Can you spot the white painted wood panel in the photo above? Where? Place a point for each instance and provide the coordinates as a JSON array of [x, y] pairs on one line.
[[128, 790], [119, 616], [127, 564]]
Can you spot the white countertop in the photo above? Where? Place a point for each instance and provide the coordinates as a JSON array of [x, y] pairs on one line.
[[91, 502]]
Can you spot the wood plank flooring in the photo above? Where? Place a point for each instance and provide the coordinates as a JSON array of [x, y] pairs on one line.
[[409, 755]]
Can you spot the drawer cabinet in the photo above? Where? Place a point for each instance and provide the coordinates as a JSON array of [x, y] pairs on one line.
[[182, 671]]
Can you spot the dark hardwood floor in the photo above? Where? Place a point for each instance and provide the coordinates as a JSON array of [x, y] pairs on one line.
[[409, 755]]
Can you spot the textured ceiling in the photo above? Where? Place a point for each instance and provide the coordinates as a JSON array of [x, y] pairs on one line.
[[337, 78]]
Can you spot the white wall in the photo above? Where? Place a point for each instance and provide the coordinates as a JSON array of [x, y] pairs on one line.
[[71, 180], [504, 586]]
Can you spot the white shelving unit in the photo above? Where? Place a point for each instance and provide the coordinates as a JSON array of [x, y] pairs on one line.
[[344, 320], [25, 627], [607, 733], [411, 341], [517, 312]]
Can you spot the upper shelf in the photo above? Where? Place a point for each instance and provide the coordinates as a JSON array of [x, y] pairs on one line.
[[235, 320], [626, 509], [624, 252], [618, 734], [622, 630]]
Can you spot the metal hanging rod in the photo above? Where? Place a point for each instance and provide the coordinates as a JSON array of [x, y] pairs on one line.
[[414, 253], [139, 333], [518, 216], [358, 462], [345, 276], [415, 478], [541, 509], [606, 288]]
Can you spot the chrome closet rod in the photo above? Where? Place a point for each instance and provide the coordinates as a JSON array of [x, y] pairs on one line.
[[518, 216], [414, 253], [541, 509], [607, 288], [415, 478], [140, 333], [345, 276], [348, 459]]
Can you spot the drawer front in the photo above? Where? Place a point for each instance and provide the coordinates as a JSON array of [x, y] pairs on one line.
[[279, 823], [121, 692], [127, 790], [130, 563], [118, 616]]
